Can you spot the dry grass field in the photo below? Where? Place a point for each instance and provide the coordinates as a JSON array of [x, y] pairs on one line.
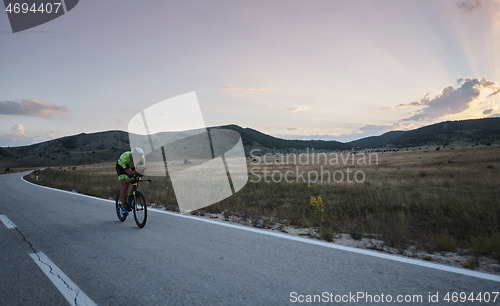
[[438, 200]]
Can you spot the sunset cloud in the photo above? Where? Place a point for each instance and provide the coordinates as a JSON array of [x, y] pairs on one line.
[[494, 93], [469, 5], [17, 136], [296, 108], [27, 107], [361, 132], [18, 130], [231, 89], [453, 100], [292, 128], [236, 90], [378, 129]]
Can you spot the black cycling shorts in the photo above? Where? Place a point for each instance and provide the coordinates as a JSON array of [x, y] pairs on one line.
[[121, 172]]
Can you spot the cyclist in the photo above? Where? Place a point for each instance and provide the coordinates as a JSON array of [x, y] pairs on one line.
[[131, 163]]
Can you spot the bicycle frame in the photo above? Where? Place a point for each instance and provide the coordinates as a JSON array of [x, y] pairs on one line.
[[135, 187], [135, 201]]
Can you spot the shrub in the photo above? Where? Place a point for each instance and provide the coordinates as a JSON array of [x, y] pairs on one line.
[[471, 263], [327, 235], [444, 242]]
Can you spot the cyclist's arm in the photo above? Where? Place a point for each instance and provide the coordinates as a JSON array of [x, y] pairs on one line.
[[124, 161], [131, 172]]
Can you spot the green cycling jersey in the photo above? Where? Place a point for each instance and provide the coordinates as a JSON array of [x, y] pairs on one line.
[[125, 161]]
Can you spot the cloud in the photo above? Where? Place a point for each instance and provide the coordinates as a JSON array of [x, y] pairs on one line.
[[18, 130], [231, 89], [453, 100], [292, 128], [236, 90], [253, 90], [494, 93], [50, 136], [18, 137], [378, 129], [265, 103], [28, 107], [296, 108], [469, 5], [374, 129], [364, 131], [494, 116], [487, 111], [414, 103], [306, 137]]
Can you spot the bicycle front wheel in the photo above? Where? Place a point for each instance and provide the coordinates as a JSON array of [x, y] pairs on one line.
[[140, 210], [118, 207]]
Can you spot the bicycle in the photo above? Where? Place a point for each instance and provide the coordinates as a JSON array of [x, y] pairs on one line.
[[135, 201]]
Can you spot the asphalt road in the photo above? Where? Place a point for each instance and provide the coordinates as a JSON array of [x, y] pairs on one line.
[[175, 260]]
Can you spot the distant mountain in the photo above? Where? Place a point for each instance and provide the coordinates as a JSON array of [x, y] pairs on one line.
[[255, 139], [480, 131], [107, 146], [376, 141], [70, 150]]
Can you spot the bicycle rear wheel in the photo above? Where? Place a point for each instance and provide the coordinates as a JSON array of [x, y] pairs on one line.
[[118, 207], [140, 210]]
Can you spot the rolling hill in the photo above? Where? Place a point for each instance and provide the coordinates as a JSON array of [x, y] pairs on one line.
[[473, 131], [107, 146]]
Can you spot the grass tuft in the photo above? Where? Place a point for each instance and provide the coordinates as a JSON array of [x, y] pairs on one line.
[[471, 263]]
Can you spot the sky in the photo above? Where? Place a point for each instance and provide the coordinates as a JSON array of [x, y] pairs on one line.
[[332, 70]]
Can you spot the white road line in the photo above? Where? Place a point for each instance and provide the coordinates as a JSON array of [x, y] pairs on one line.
[[70, 192], [63, 283], [412, 261], [6, 221], [404, 259]]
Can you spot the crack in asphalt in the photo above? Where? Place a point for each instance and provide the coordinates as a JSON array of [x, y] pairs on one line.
[[34, 251], [26, 240], [77, 292]]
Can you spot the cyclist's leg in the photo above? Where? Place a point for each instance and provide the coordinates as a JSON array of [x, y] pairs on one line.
[[123, 178], [124, 191]]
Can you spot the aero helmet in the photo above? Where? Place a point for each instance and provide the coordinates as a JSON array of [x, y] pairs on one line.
[[137, 155]]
